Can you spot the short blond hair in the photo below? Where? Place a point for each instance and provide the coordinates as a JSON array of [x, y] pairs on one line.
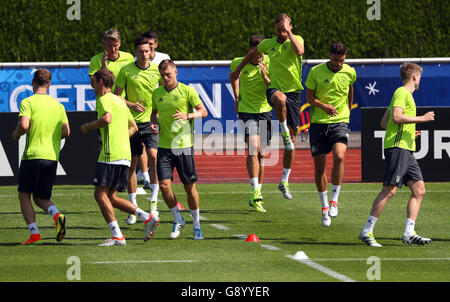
[[112, 33], [408, 69]]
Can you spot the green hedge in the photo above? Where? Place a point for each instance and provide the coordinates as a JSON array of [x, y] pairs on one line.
[[38, 30]]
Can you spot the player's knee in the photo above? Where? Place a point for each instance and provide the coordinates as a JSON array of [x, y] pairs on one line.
[[164, 187], [279, 99]]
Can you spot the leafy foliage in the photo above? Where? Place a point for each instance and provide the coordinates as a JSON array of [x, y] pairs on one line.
[[39, 31]]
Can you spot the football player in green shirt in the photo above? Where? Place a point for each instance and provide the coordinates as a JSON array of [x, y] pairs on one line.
[[401, 166], [285, 51], [44, 121], [255, 116], [116, 125], [139, 79], [173, 109], [330, 93], [111, 58]]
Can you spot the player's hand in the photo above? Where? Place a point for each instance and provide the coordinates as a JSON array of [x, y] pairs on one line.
[[287, 26], [234, 76], [428, 117], [137, 106], [104, 58], [263, 67], [84, 128], [180, 115], [330, 110], [154, 128]]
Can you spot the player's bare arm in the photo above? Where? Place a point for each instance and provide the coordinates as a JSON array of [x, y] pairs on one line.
[[133, 106], [385, 120], [399, 117], [154, 121], [251, 56], [22, 127], [132, 127], [296, 45], [313, 101], [99, 123], [264, 75], [65, 133], [200, 112], [350, 97]]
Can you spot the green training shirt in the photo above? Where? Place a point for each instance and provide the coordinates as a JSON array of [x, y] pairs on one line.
[[175, 134], [285, 65], [115, 136], [114, 66], [252, 88], [47, 116], [401, 135], [139, 85], [331, 88]]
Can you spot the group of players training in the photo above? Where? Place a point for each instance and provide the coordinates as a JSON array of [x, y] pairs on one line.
[[145, 118]]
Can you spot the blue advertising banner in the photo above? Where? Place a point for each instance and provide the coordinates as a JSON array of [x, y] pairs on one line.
[[374, 87]]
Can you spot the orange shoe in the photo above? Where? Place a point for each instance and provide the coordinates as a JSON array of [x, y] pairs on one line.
[[34, 239]]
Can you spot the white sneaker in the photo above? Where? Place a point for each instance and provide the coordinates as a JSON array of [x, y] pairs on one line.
[[326, 220], [333, 212], [176, 231], [415, 239], [284, 188], [150, 226], [140, 177], [146, 184], [114, 241], [369, 239], [131, 219]]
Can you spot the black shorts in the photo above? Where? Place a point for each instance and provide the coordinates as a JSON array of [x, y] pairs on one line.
[[111, 176], [400, 167], [292, 106], [257, 124], [37, 176], [322, 137], [182, 159], [143, 136]]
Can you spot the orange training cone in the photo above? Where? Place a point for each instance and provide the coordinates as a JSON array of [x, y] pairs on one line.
[[180, 206], [252, 238]]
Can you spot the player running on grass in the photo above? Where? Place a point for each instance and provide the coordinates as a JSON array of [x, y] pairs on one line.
[[173, 109], [329, 91], [255, 116], [139, 79], [116, 125], [401, 166], [285, 51], [44, 121]]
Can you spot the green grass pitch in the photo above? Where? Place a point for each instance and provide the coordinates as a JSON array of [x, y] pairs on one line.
[[289, 226]]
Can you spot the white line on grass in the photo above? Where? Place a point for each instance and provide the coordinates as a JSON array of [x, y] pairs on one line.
[[270, 247], [220, 226], [322, 269], [386, 259], [143, 261]]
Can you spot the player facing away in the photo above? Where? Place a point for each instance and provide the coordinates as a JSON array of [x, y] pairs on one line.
[[139, 79], [116, 125], [285, 51], [112, 57], [329, 91], [255, 116], [44, 121], [156, 58], [401, 166], [173, 105]]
